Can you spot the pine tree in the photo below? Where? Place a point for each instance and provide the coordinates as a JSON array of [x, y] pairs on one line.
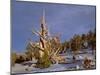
[[76, 43]]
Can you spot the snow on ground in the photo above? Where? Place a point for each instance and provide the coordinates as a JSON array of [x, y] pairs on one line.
[[55, 67], [18, 68]]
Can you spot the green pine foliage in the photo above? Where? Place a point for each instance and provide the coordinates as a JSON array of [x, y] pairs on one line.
[[44, 62]]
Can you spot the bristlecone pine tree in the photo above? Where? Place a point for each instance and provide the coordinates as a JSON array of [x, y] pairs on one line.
[[48, 48]]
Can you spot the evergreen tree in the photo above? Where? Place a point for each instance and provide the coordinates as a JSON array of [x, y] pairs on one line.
[[76, 43]]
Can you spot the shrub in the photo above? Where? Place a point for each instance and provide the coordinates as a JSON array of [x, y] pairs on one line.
[[44, 62], [13, 58]]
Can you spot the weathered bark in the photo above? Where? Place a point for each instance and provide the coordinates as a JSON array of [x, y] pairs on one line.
[[48, 49]]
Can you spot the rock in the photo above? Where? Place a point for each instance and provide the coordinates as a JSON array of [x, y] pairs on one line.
[[77, 67], [33, 65], [87, 63]]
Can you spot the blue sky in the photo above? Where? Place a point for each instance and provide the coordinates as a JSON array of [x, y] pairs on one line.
[[63, 19]]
